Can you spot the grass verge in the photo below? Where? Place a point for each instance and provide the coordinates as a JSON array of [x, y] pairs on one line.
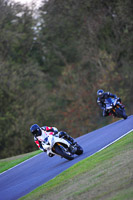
[[8, 163], [106, 175]]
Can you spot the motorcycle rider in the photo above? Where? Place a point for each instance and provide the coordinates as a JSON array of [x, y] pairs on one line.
[[101, 98], [45, 130]]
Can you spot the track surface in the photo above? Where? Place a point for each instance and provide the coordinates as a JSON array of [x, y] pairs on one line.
[[25, 177]]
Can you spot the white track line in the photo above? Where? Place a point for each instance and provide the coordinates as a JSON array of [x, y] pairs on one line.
[[112, 142], [19, 164]]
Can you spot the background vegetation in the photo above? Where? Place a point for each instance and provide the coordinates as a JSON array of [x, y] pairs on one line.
[[52, 62]]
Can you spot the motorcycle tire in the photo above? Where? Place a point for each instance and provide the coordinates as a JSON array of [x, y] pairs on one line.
[[121, 113], [124, 114], [79, 150], [60, 151]]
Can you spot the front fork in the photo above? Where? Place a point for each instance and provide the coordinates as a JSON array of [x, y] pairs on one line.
[[114, 111]]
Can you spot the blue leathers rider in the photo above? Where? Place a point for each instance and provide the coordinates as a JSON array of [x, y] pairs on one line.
[[101, 99]]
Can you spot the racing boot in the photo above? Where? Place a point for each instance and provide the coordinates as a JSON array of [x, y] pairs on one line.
[[73, 149], [73, 146], [71, 140], [50, 154]]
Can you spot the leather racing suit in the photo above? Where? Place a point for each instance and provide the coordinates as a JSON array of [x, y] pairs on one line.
[[101, 100], [46, 131]]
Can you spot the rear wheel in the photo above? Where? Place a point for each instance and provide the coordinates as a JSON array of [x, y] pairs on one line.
[[60, 150]]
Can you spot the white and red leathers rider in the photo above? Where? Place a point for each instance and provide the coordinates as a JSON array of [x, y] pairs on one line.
[[45, 132], [41, 133]]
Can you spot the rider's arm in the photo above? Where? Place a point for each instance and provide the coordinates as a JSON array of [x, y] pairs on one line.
[[51, 129], [38, 143], [100, 103], [112, 95], [115, 97]]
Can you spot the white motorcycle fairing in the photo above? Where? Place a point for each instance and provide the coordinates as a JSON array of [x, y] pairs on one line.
[[43, 136], [52, 140]]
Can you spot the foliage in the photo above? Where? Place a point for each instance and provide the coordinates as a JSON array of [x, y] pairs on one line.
[[52, 64]]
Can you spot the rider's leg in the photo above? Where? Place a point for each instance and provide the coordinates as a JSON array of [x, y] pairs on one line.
[[65, 135], [105, 113]]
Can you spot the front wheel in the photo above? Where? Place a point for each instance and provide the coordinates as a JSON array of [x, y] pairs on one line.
[[121, 113], [79, 150], [124, 114], [60, 150]]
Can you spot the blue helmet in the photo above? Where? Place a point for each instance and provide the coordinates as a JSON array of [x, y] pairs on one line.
[[100, 92], [35, 130]]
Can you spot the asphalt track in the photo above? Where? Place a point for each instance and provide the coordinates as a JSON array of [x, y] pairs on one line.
[[25, 177]]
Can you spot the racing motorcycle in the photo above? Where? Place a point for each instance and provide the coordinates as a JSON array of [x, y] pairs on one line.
[[61, 147], [114, 107]]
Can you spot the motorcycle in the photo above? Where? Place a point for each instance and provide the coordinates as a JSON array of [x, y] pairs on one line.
[[61, 147], [114, 107]]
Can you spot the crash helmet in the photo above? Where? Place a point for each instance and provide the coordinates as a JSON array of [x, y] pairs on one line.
[[100, 92], [35, 130]]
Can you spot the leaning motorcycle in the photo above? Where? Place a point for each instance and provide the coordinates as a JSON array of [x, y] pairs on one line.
[[114, 107], [61, 147]]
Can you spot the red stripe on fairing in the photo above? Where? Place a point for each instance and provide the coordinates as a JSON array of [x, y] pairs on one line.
[[48, 128], [37, 142], [51, 133]]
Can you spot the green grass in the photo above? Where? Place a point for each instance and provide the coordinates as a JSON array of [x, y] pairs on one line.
[[8, 163], [105, 175]]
